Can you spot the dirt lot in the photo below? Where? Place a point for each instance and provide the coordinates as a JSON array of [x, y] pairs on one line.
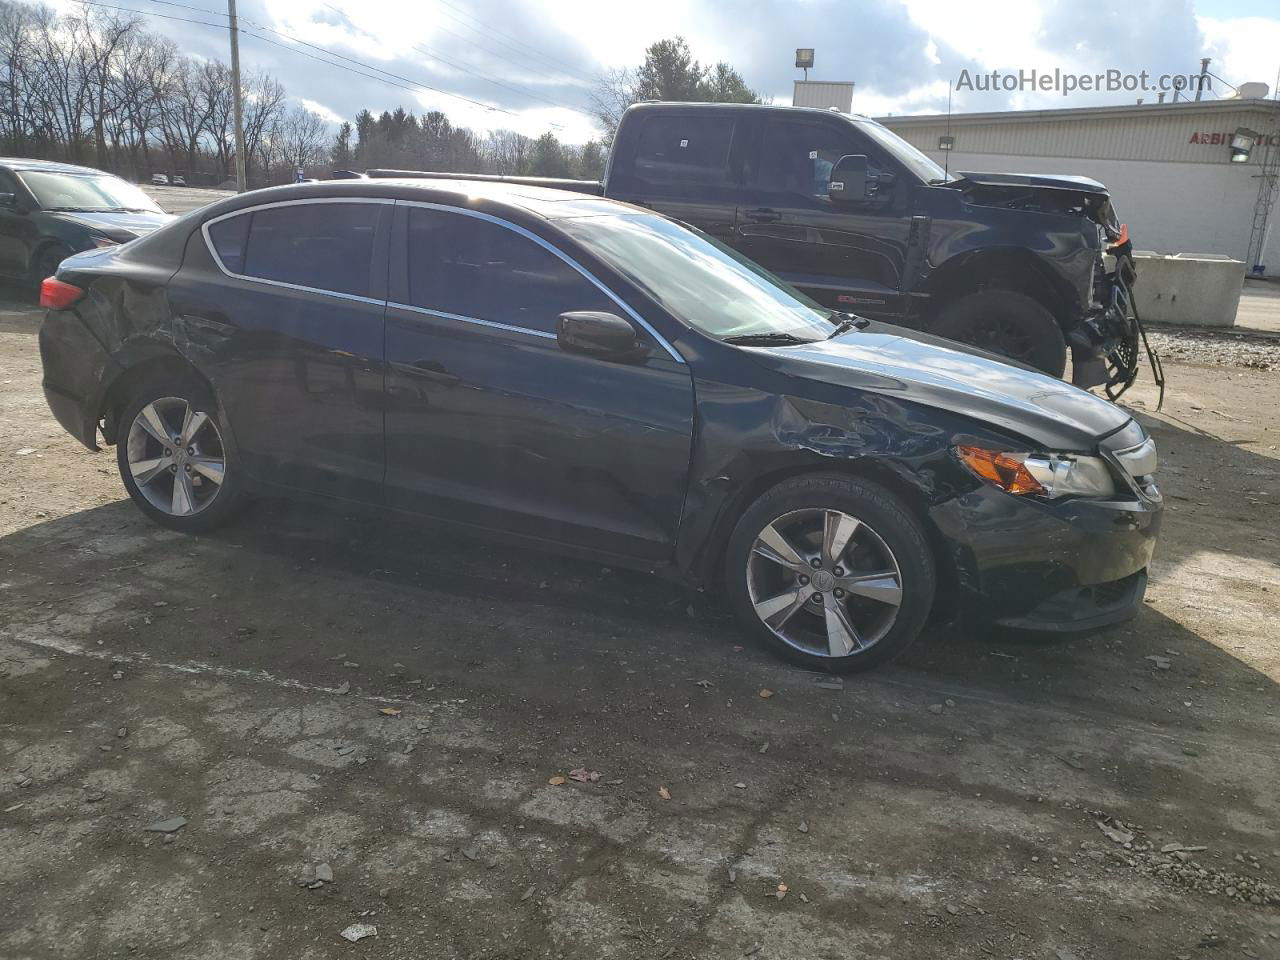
[[947, 806]]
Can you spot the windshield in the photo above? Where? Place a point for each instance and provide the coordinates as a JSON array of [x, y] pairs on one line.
[[62, 191], [699, 280], [907, 155]]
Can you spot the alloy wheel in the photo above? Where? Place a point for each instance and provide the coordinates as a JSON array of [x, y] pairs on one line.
[[824, 582], [175, 456]]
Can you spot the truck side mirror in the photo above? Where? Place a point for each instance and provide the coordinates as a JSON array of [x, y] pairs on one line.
[[849, 179]]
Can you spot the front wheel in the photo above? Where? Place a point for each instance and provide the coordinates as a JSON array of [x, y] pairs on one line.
[[1010, 324], [175, 458], [833, 573]]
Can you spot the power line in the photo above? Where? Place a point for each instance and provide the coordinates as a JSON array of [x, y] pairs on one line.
[[457, 66], [494, 33], [397, 80]]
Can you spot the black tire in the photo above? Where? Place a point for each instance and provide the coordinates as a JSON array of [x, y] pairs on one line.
[[46, 262], [1007, 323], [890, 524], [224, 499]]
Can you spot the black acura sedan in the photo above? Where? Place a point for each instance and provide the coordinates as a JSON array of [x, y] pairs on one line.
[[49, 211], [566, 370]]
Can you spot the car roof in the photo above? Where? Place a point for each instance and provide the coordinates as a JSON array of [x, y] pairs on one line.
[[51, 166], [546, 203]]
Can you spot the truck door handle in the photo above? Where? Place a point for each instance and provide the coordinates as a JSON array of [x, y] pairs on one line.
[[764, 215]]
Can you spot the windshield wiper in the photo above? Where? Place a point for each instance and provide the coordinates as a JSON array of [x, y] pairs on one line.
[[764, 339], [845, 322]]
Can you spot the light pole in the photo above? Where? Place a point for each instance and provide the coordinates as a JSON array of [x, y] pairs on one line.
[[235, 95]]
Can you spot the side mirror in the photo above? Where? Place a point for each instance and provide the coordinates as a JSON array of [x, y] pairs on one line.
[[849, 179], [598, 334]]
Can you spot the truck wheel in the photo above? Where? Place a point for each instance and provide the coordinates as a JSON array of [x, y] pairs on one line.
[[832, 572], [1010, 324]]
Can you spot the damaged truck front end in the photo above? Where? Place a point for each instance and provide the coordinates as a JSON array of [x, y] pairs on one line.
[[1106, 338]]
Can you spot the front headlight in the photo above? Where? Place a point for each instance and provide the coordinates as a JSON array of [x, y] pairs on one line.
[[1049, 475]]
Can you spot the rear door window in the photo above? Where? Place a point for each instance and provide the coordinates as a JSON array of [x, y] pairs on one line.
[[683, 149], [323, 246], [477, 269]]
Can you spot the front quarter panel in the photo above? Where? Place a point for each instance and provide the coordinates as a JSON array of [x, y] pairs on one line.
[[750, 437]]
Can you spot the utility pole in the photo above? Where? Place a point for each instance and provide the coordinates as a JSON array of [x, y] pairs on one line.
[[235, 94]]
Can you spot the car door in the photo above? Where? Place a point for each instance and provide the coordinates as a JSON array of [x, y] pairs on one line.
[[843, 254], [491, 423], [283, 305], [681, 163], [16, 230]]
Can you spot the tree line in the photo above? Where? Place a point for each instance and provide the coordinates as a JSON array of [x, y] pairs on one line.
[[96, 87]]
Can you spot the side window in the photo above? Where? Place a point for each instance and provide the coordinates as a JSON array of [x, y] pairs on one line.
[[228, 238], [683, 149], [473, 268], [327, 246], [7, 183], [798, 156]]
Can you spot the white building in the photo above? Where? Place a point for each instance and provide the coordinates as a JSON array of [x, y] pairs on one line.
[[1168, 165]]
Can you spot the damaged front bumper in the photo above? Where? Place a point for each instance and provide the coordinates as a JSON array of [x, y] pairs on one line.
[[1055, 566]]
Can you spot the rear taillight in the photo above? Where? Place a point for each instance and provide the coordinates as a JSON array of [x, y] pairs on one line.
[[55, 294]]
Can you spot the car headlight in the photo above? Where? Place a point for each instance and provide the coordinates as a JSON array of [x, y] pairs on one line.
[[1049, 475]]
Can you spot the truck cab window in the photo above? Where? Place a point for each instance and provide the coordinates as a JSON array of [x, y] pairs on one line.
[[683, 149], [798, 156]]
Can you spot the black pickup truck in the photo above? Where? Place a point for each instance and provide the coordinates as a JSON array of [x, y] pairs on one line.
[[861, 221]]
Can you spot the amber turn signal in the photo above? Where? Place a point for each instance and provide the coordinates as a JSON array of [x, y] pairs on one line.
[[1005, 470]]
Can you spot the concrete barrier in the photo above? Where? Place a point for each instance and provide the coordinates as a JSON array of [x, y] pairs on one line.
[[1193, 289]]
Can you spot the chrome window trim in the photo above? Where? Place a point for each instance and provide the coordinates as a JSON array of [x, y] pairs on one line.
[[213, 251], [516, 228], [476, 320]]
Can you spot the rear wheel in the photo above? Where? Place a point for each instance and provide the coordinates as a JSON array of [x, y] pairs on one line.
[[175, 458], [1010, 324], [831, 572]]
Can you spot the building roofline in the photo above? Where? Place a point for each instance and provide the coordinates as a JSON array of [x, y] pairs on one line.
[[1081, 113]]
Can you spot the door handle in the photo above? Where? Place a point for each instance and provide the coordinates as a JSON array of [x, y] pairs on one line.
[[764, 215]]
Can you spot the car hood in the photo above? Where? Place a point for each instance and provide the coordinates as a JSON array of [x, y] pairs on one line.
[[949, 376], [1034, 180], [118, 226]]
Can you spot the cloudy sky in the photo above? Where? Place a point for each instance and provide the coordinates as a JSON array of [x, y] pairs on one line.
[[530, 65]]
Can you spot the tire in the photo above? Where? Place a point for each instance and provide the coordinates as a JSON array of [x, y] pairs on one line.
[[46, 262], [153, 471], [1007, 323], [886, 539]]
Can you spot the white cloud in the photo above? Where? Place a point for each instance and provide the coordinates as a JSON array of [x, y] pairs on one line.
[[1243, 48]]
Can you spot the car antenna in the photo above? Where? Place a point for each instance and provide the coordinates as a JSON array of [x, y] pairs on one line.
[[946, 160]]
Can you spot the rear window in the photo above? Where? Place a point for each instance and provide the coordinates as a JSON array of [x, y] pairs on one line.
[[324, 246]]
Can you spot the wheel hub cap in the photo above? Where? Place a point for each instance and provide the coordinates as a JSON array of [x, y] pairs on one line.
[[797, 593], [175, 456]]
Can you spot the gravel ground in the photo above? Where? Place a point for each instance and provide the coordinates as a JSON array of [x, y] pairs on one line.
[[244, 745], [1256, 351]]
